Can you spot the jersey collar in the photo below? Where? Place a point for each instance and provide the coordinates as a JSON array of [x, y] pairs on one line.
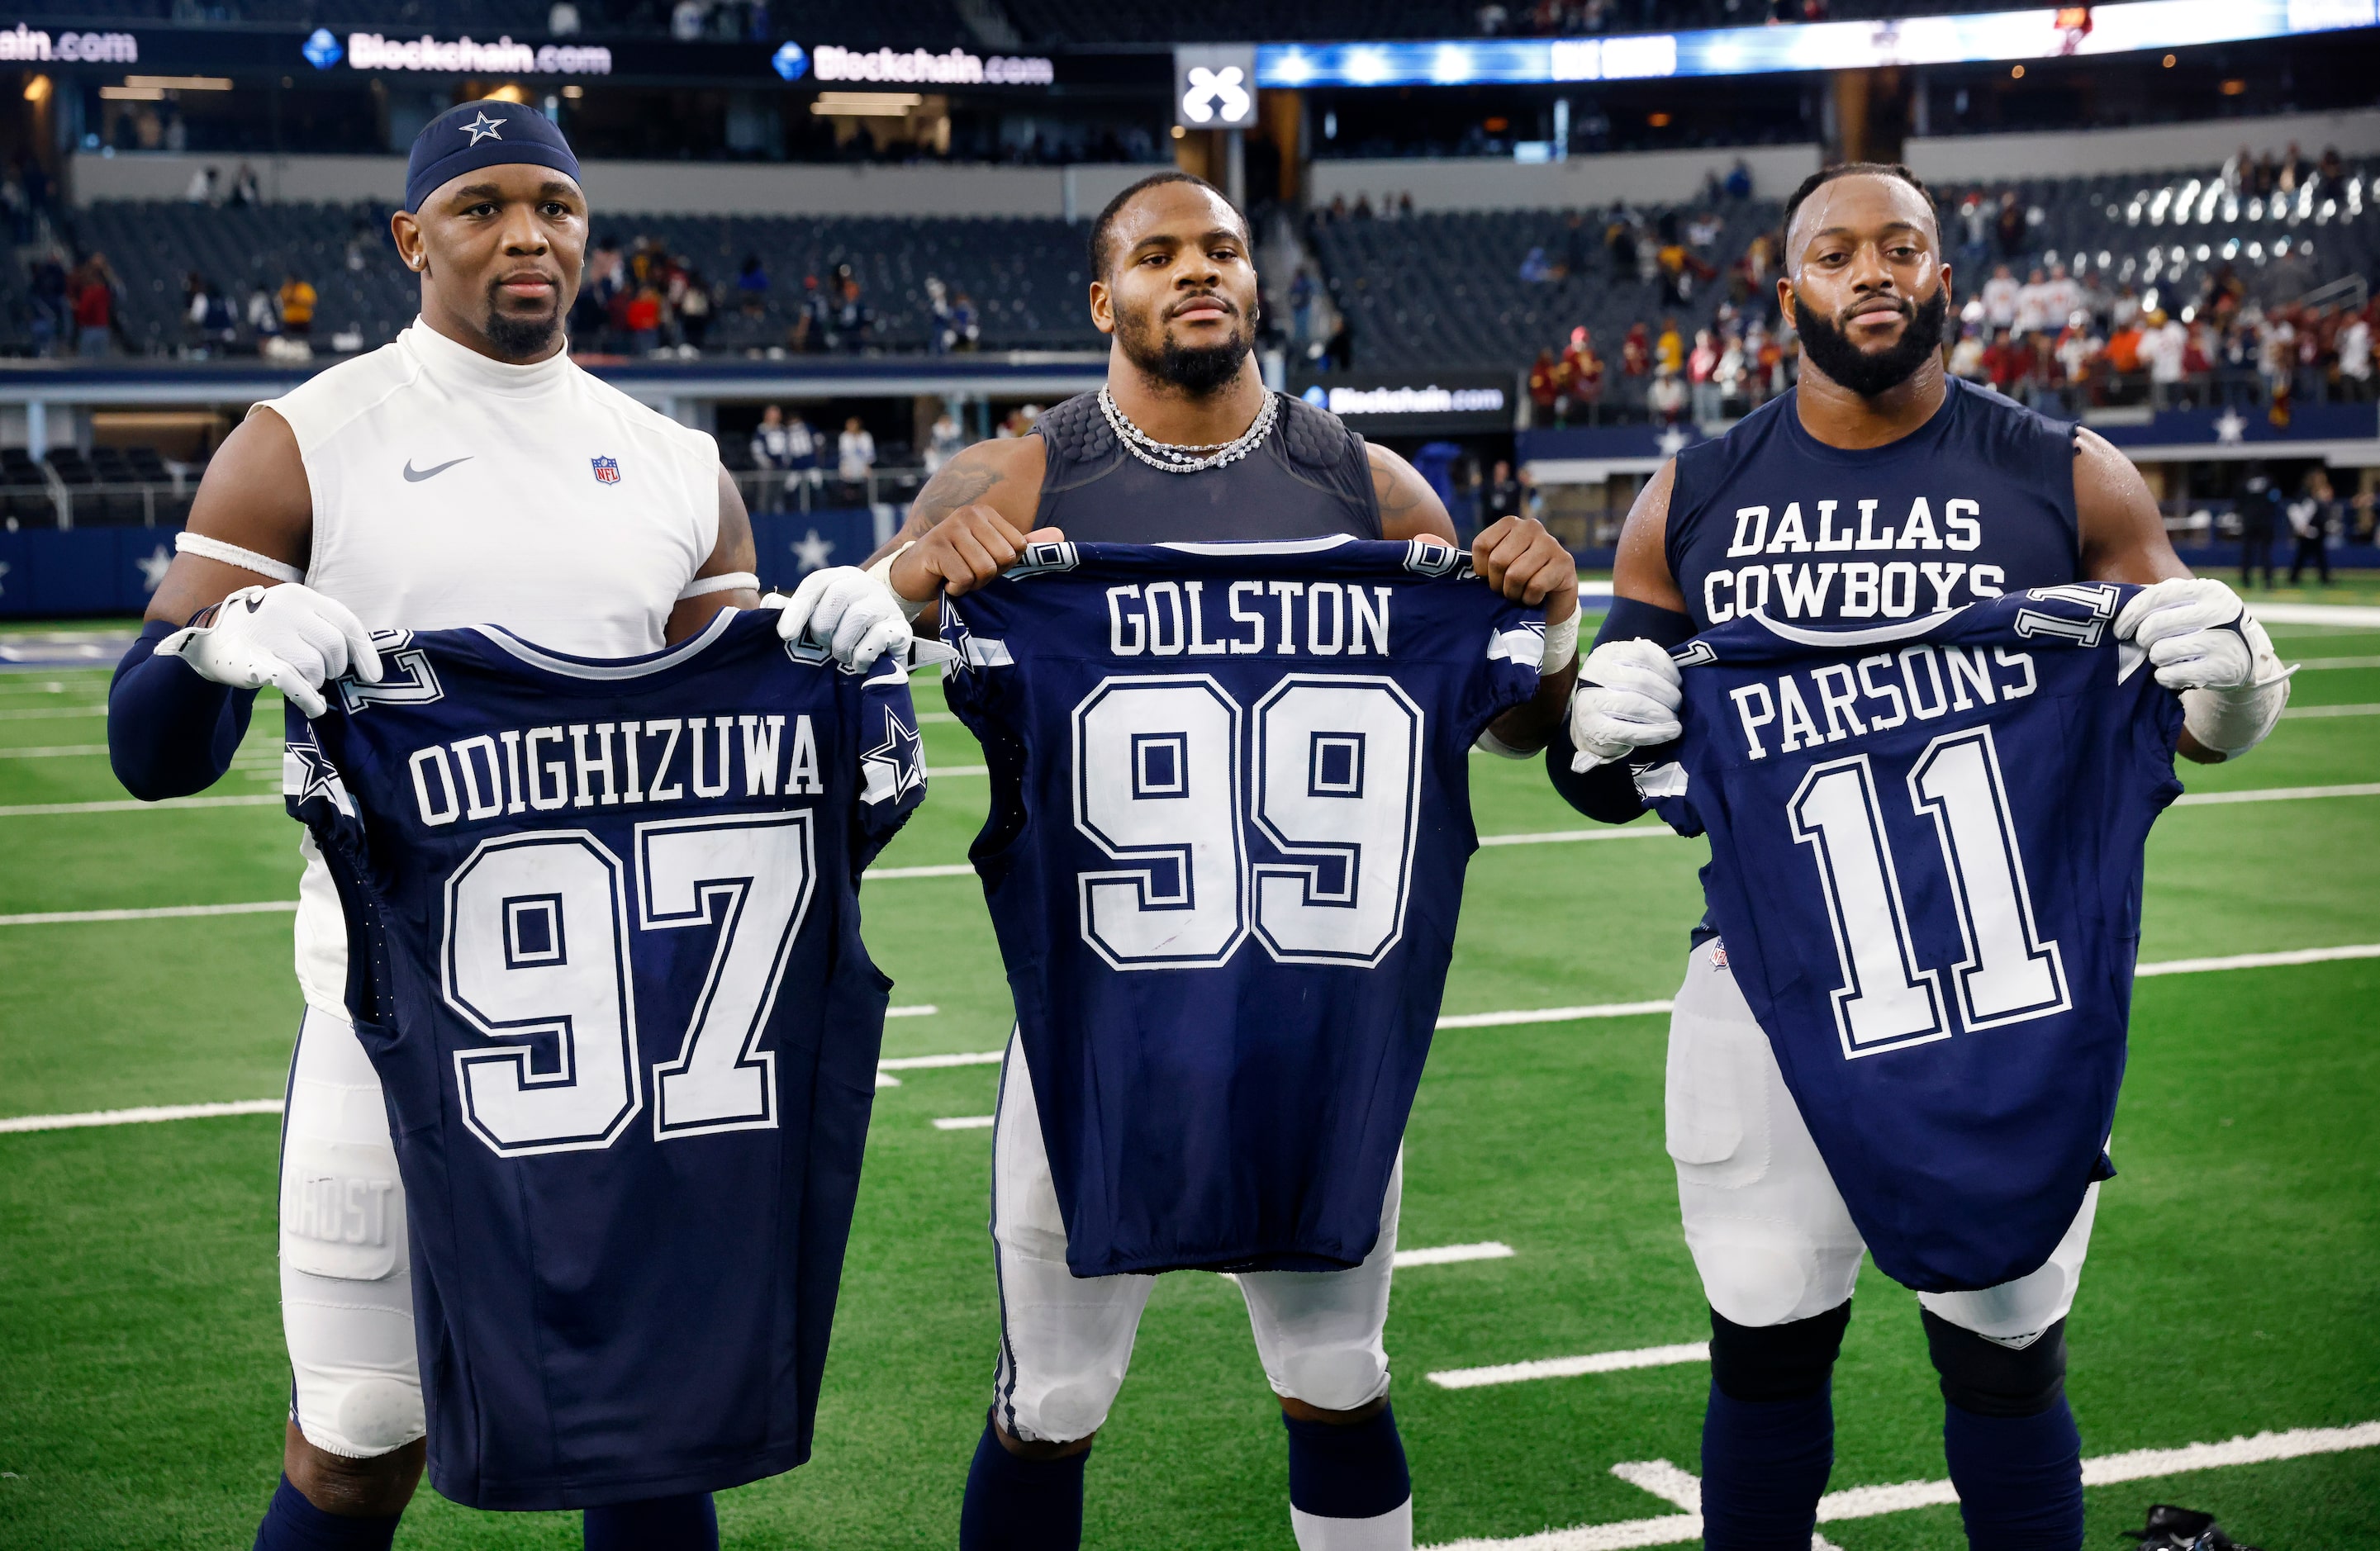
[[453, 362]]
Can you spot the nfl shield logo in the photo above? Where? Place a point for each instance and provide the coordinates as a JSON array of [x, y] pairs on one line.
[[607, 472]]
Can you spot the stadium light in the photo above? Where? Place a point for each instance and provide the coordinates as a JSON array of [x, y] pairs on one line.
[[866, 104], [181, 83], [1986, 37], [37, 90]]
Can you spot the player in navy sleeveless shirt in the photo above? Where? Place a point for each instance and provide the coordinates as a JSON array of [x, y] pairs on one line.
[[1185, 444], [1878, 492]]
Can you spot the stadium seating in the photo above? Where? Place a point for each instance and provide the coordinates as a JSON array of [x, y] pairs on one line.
[[1025, 276]]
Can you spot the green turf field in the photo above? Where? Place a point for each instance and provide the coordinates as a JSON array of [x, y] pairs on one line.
[[2234, 1286]]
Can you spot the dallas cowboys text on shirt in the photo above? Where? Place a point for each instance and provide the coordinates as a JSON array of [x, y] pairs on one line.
[[1876, 694], [606, 763], [1797, 588], [1290, 619]]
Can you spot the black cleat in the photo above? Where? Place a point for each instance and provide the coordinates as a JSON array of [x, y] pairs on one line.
[[2182, 1529]]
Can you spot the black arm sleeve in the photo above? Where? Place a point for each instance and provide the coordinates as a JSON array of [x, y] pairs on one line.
[[169, 731], [1607, 793]]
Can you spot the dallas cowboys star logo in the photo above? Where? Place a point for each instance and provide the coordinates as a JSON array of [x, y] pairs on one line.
[[483, 128], [896, 766], [2229, 426], [153, 566], [810, 551], [1673, 441], [307, 773]]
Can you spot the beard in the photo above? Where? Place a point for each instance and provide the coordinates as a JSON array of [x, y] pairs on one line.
[[1197, 371], [517, 338], [1872, 372]]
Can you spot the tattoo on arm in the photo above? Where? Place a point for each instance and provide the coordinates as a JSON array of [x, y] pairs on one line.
[[1395, 496], [947, 492]]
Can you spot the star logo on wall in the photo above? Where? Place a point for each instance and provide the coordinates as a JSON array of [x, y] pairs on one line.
[[153, 566], [810, 551], [483, 128], [1673, 441], [2230, 428]]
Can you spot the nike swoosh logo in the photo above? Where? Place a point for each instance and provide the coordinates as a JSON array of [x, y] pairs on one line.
[[415, 476]]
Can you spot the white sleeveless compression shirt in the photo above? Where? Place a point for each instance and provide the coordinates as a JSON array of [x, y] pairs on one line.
[[452, 490]]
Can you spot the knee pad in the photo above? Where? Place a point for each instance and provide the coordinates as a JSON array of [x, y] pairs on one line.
[[1770, 1363], [1983, 1378], [1335, 1377]]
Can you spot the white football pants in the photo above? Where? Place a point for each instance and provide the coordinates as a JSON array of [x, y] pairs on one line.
[[1769, 1232], [347, 1282], [1065, 1340]]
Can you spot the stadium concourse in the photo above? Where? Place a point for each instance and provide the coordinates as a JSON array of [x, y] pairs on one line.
[[1547, 1330]]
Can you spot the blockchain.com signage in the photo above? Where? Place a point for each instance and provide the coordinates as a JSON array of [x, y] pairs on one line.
[[1434, 406], [913, 67]]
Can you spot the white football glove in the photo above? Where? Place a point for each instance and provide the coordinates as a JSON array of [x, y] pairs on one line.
[[2233, 686], [1627, 698], [289, 636], [842, 608], [2180, 623]]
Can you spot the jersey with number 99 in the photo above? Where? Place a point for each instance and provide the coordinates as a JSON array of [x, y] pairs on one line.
[[1925, 867], [1231, 813], [605, 957]]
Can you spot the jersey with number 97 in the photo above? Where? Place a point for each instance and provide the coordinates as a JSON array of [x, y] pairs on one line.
[[605, 957], [1230, 818], [1925, 868]]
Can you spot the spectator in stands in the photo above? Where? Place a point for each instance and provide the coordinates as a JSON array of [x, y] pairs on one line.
[[1545, 384], [642, 318], [1619, 241], [297, 301], [809, 331], [2004, 363], [1584, 373], [687, 19], [965, 321], [243, 190], [1738, 180], [2258, 517], [854, 320], [2009, 224], [205, 187], [772, 454], [694, 308], [1667, 396], [1974, 226], [1999, 297], [2355, 357], [2033, 313], [1636, 350], [1967, 356], [93, 290], [1702, 371], [2164, 345], [1669, 348], [2310, 518], [855, 457], [1501, 495], [944, 441], [1536, 271]]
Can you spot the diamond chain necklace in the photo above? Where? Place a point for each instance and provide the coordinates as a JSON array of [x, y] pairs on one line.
[[1175, 459]]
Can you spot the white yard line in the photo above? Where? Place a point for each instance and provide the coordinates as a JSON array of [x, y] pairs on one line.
[[133, 804], [1450, 1254], [146, 1112], [158, 913], [1560, 837], [945, 869], [2315, 613], [923, 1010], [964, 1122], [2260, 960], [929, 1063], [1550, 1014], [60, 751], [936, 772], [1571, 1367], [2332, 711], [1667, 1480], [51, 713], [2316, 664], [2278, 794]]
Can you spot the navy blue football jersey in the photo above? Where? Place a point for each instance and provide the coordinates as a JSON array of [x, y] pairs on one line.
[[604, 953], [1231, 813], [1927, 845], [1977, 501]]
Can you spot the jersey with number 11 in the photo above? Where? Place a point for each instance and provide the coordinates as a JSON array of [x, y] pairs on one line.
[[605, 958], [1230, 818], [1925, 865]]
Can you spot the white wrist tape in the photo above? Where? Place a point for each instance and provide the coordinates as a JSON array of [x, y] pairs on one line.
[[231, 554], [727, 581], [1561, 646], [882, 571]]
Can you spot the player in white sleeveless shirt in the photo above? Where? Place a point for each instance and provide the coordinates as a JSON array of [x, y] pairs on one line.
[[467, 473]]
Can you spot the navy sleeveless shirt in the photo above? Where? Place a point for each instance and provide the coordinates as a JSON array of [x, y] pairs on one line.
[[1308, 477], [1977, 501]]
